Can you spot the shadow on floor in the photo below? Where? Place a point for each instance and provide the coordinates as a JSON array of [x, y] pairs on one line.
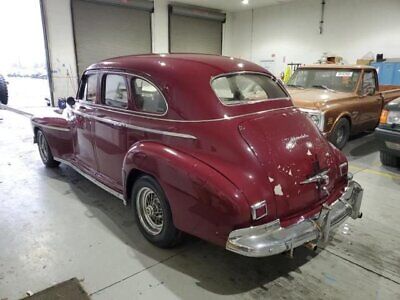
[[213, 268], [362, 144]]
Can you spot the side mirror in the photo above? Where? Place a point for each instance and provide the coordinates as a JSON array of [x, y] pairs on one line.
[[71, 101]]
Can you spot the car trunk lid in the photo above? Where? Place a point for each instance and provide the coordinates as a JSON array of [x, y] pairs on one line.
[[291, 150]]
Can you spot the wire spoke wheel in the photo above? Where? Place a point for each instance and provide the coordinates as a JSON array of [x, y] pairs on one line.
[[43, 148], [150, 211]]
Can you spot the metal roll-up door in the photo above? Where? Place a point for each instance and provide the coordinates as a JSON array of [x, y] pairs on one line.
[[105, 29], [194, 30]]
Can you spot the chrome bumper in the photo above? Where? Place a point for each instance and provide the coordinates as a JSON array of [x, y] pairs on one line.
[[270, 239]]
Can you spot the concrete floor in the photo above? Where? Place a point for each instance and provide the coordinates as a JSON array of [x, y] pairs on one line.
[[55, 225]]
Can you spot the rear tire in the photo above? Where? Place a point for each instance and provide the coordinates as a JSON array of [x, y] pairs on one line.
[[3, 91], [153, 213], [341, 133], [44, 151], [388, 159]]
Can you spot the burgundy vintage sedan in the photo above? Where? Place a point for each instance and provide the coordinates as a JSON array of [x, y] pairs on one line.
[[206, 145]]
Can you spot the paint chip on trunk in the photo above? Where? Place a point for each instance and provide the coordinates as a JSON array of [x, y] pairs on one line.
[[278, 190]]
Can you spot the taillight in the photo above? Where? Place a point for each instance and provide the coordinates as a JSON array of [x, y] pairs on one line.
[[383, 118], [259, 210]]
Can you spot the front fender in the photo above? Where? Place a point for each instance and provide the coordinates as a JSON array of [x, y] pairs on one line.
[[332, 120], [57, 132], [204, 203]]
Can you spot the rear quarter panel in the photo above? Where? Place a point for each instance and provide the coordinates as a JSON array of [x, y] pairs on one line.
[[203, 202]]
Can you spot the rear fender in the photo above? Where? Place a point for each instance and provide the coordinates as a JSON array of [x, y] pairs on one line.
[[203, 202]]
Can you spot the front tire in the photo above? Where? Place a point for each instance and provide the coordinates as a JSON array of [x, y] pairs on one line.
[[45, 152], [153, 214], [388, 159], [341, 133], [3, 91]]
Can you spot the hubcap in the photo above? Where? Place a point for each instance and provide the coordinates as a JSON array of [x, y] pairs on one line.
[[149, 210], [43, 149]]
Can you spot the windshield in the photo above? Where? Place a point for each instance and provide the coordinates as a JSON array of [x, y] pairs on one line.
[[341, 80], [246, 87]]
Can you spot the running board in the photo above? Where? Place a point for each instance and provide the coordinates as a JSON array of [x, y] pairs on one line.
[[95, 181]]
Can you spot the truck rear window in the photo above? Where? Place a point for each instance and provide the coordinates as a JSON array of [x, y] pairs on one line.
[[241, 88]]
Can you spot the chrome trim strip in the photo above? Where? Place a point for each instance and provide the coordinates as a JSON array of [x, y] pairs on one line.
[[50, 127], [227, 118], [90, 178], [134, 127]]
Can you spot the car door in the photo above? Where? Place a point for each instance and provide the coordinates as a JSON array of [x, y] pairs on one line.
[[83, 111], [370, 101], [110, 131]]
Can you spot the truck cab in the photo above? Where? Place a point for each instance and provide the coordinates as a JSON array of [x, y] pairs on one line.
[[342, 100]]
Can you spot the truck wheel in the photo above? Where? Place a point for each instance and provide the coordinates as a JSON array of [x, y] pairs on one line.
[[45, 152], [341, 133], [388, 159], [3, 91], [153, 214]]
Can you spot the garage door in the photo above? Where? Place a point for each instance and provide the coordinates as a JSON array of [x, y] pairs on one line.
[[195, 30], [105, 29]]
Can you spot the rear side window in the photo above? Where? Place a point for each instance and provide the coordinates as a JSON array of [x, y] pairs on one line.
[[245, 88], [115, 91], [147, 97], [89, 91]]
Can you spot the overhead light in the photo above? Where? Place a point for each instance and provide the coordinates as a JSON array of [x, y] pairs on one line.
[[245, 2]]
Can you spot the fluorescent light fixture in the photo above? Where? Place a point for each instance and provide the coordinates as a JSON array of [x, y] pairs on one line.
[[245, 2]]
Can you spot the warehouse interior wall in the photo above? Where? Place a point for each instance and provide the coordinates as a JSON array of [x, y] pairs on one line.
[[289, 32]]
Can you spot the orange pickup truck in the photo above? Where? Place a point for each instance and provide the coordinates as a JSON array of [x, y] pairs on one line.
[[341, 100]]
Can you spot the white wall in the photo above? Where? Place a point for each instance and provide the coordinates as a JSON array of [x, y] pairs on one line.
[[291, 31], [60, 38], [160, 26]]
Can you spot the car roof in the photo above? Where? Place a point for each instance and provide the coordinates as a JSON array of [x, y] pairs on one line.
[[184, 79], [335, 66], [212, 63]]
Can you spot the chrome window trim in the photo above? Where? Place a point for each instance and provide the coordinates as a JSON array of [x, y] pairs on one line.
[[90, 178], [134, 127], [165, 100], [131, 74], [51, 127], [251, 73], [103, 80]]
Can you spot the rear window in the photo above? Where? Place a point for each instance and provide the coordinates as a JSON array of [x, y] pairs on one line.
[[246, 88]]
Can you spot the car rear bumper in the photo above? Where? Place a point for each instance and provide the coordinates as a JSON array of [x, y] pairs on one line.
[[388, 140], [270, 239]]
